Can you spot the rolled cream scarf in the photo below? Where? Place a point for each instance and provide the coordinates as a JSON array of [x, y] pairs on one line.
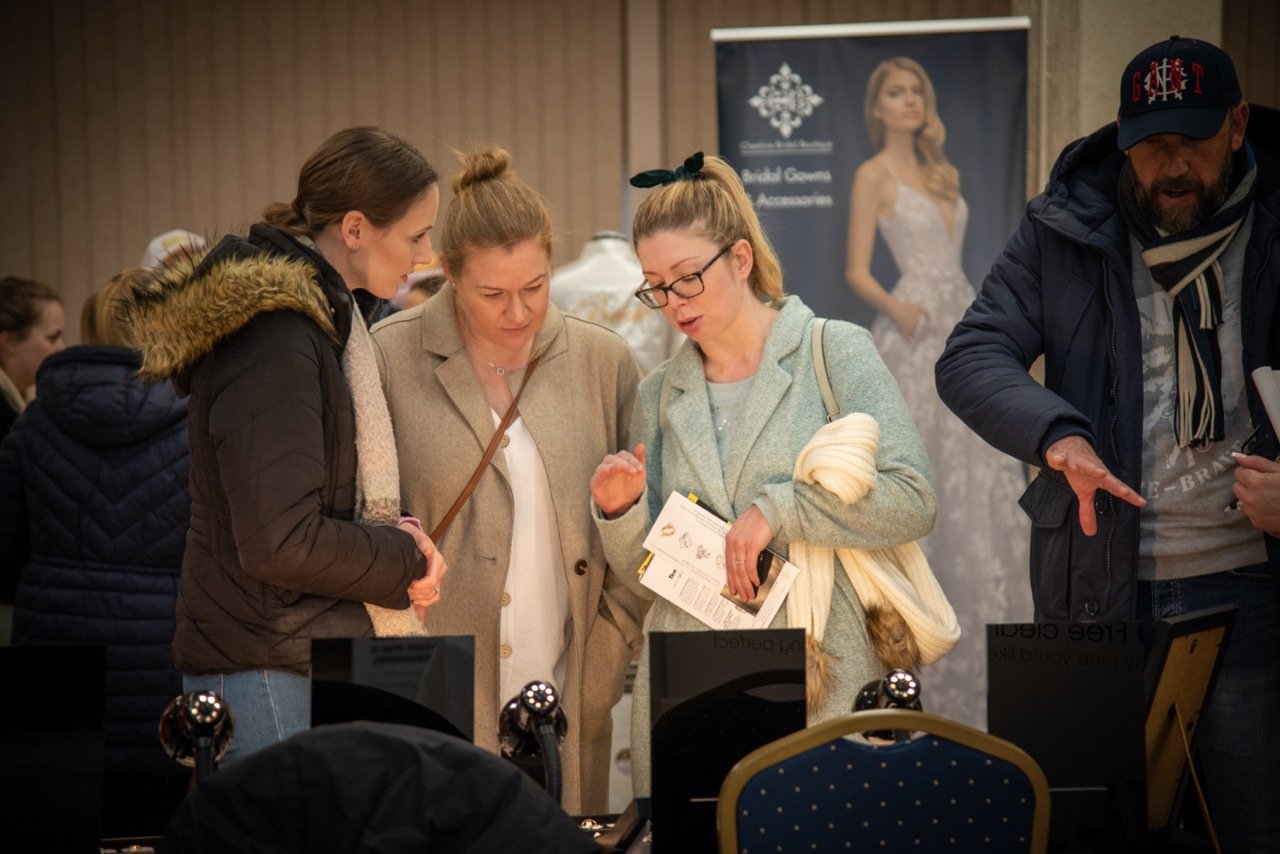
[[909, 618], [377, 471]]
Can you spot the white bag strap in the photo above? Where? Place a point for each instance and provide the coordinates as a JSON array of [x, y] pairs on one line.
[[820, 367]]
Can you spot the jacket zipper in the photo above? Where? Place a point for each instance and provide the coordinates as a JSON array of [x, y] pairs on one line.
[[329, 499], [1114, 355]]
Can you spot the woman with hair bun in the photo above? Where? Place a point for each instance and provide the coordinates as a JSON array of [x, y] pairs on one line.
[[489, 366], [296, 530], [910, 191]]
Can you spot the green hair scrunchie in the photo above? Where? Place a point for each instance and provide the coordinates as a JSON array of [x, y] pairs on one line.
[[690, 170]]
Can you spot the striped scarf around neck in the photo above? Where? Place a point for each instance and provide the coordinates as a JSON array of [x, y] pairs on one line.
[[1186, 266]]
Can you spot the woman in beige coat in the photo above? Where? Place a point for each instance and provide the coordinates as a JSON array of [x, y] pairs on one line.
[[528, 575]]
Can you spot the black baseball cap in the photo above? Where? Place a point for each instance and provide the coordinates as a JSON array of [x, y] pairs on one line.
[[1182, 86]]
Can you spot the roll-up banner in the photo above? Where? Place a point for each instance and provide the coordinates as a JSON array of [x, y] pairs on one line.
[[791, 120]]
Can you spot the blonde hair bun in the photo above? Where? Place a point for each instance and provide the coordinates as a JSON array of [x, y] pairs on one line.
[[477, 166], [491, 206]]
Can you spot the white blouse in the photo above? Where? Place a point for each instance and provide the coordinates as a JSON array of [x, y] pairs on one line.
[[535, 625]]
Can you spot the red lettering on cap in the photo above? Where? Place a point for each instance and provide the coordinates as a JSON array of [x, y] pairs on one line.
[[1197, 71], [1175, 76], [1136, 89]]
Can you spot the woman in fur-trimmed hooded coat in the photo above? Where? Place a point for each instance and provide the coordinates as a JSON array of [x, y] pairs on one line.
[[296, 530], [253, 337]]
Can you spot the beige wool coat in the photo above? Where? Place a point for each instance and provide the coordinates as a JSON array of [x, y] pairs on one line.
[[577, 408]]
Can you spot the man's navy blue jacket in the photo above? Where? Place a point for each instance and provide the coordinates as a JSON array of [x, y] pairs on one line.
[[1063, 288]]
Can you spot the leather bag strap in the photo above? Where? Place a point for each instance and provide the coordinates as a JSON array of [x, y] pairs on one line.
[[510, 416]]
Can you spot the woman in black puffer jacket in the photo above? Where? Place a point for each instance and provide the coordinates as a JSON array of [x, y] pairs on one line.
[[93, 494]]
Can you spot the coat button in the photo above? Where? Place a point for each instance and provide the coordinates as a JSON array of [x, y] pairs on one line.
[[1091, 607], [505, 650], [506, 598], [580, 567], [506, 440]]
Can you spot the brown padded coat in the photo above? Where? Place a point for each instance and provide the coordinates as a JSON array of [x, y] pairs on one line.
[[272, 557]]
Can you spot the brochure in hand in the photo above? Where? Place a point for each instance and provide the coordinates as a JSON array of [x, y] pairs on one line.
[[686, 567]]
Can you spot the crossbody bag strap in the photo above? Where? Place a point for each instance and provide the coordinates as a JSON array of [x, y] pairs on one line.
[[488, 456], [820, 368]]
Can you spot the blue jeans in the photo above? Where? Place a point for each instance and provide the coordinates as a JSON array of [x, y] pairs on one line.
[[1239, 741], [267, 706]]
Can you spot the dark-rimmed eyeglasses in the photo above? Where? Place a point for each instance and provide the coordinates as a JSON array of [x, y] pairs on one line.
[[685, 287]]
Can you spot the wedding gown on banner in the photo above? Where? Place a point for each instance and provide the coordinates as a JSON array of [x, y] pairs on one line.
[[979, 547]]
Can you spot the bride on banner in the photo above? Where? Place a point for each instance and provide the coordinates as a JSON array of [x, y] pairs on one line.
[[979, 546]]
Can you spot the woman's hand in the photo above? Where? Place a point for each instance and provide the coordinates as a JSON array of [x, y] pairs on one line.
[[747, 537], [907, 316], [425, 591], [618, 482]]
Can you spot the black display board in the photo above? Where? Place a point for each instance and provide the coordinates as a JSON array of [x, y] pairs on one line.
[[714, 697], [426, 682], [51, 747], [1073, 696]]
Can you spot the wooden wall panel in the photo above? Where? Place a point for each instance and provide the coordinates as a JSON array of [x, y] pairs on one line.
[[130, 117], [74, 238], [24, 87], [256, 109], [1251, 34], [135, 116]]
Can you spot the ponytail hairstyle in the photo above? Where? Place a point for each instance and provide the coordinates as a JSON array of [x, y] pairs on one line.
[[707, 196], [940, 177], [101, 320], [363, 169], [491, 206]]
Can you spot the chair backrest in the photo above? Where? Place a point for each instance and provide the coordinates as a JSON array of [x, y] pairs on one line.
[[950, 788]]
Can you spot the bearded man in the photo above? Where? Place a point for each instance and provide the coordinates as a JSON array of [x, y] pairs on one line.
[[1147, 275]]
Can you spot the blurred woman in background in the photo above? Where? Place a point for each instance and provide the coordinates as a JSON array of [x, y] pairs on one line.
[[31, 323]]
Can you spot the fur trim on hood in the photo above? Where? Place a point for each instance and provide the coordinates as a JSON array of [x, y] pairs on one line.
[[182, 313]]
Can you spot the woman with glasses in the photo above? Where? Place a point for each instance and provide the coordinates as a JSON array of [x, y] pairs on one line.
[[911, 194], [528, 575], [726, 417]]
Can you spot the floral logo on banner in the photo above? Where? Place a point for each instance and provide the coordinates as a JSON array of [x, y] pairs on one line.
[[786, 101]]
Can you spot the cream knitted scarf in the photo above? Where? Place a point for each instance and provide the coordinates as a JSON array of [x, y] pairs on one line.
[[12, 393], [908, 616], [377, 472]]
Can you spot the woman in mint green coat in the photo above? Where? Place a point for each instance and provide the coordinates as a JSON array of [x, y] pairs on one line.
[[741, 400]]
